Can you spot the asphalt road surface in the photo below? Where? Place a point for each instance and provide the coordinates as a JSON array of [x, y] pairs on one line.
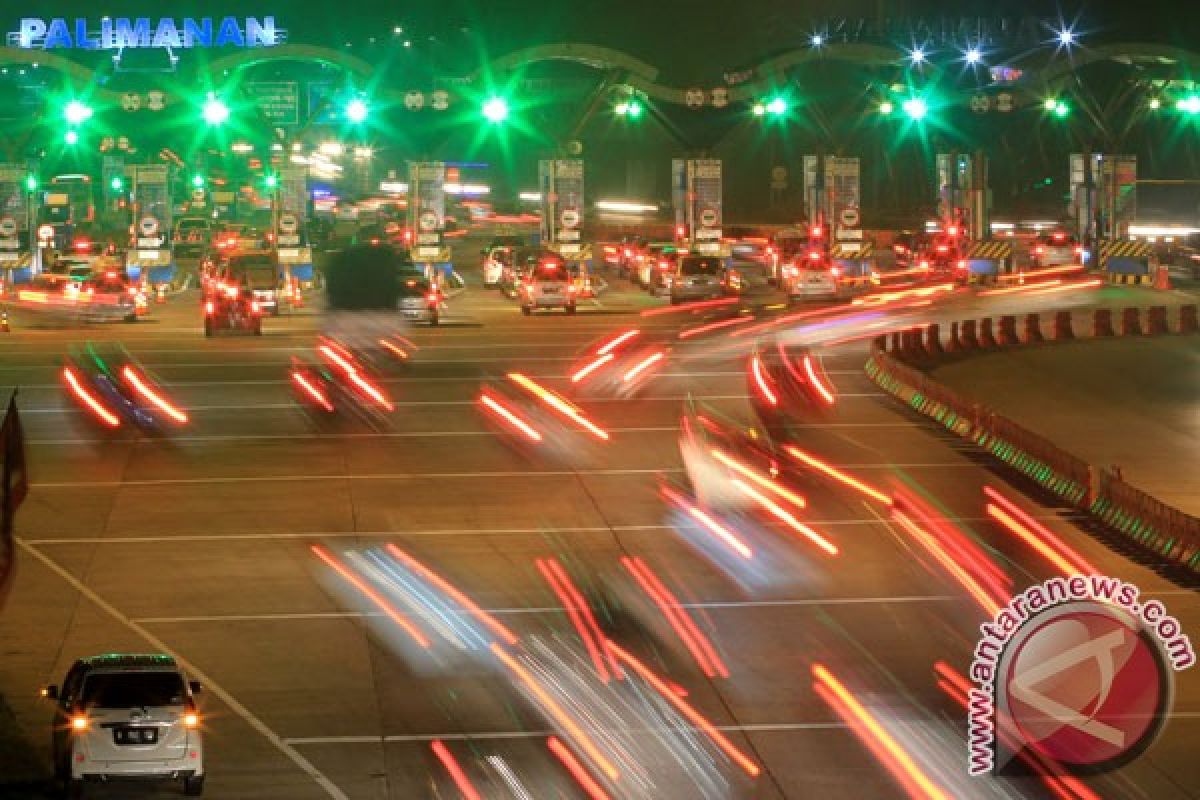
[[200, 545]]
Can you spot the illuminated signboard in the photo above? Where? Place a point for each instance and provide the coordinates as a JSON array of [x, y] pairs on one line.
[[118, 33]]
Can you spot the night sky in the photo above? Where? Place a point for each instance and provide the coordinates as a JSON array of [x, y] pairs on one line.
[[686, 40]]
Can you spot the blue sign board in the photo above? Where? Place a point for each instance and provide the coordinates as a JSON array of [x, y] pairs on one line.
[[118, 33]]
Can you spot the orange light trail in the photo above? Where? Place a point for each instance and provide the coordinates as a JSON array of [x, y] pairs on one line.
[[643, 365], [816, 381], [374, 596], [154, 397], [686, 710], [887, 297], [577, 734], [509, 416], [716, 528], [456, 772], [1064, 269], [1028, 287], [877, 739], [588, 369], [107, 417], [685, 627], [576, 769], [617, 341], [785, 320], [964, 578], [1066, 287], [685, 307], [558, 403], [688, 333], [316, 394], [338, 355], [1036, 535], [756, 369], [758, 478], [394, 349], [371, 390], [570, 605], [504, 633], [788, 518], [837, 474]]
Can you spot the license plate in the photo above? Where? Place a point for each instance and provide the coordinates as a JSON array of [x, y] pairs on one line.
[[550, 290], [412, 314], [128, 736]]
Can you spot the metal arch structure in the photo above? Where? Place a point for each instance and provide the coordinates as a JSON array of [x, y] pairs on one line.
[[49, 60], [1123, 52], [292, 52]]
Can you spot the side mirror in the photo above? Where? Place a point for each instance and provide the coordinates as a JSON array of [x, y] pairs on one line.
[[195, 687], [49, 692]]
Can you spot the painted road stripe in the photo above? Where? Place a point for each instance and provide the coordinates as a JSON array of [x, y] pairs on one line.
[[762, 727], [210, 685]]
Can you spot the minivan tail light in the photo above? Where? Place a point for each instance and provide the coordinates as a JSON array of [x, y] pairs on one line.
[[191, 720], [79, 722]]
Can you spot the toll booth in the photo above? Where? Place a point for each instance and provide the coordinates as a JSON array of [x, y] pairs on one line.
[[427, 217], [150, 257], [832, 203], [963, 192], [698, 193], [1102, 200], [289, 217], [17, 224], [561, 185]]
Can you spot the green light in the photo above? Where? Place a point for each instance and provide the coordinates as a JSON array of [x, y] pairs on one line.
[[116, 184], [916, 108], [198, 181], [215, 111], [634, 109], [1189, 104], [71, 137], [271, 181], [1155, 104], [77, 112], [886, 107], [357, 111], [621, 108], [1050, 103], [759, 109], [1061, 109], [777, 106], [31, 183], [495, 110]]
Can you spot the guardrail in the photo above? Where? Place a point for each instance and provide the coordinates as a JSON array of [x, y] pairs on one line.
[[1170, 533]]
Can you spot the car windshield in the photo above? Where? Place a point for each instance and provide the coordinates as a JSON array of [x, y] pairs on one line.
[[132, 690], [257, 274], [550, 271], [413, 286], [693, 265]]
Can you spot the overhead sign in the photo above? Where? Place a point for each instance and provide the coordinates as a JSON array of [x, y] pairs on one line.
[[709, 218], [148, 226], [8, 227], [569, 218], [277, 101], [428, 221], [120, 33], [849, 217]]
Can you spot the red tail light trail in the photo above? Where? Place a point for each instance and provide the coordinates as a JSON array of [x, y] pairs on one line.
[[761, 381], [590, 367], [375, 597], [1036, 535], [643, 365], [83, 395], [508, 415], [618, 340], [558, 403], [456, 771], [786, 517], [581, 616], [728, 537], [143, 388], [310, 389], [581, 776], [835, 473]]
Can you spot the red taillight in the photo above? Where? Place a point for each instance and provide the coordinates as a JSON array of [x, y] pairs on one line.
[[312, 391], [83, 245], [952, 230], [760, 380], [1058, 237], [255, 307], [680, 231], [209, 308], [814, 256], [1079, 251], [374, 241], [1039, 250], [816, 231], [899, 248], [962, 264], [628, 253], [408, 235], [923, 264], [943, 248], [84, 396], [664, 264], [432, 297], [835, 271]]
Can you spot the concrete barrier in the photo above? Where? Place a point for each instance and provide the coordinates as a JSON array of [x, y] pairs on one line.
[[1062, 326], [933, 340], [1188, 322], [967, 336], [1131, 322], [953, 343], [987, 339], [1156, 321], [1033, 329], [1102, 323], [1006, 333]]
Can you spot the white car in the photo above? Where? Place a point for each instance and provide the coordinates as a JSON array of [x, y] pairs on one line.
[[810, 277], [494, 264], [549, 284], [126, 717]]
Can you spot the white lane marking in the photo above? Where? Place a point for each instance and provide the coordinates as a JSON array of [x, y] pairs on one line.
[[364, 435], [716, 604], [289, 535], [761, 727], [210, 685]]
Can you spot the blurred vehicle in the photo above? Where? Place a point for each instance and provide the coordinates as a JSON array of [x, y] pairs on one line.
[[126, 717], [111, 387], [342, 378], [943, 249], [1055, 249], [783, 247], [547, 285], [702, 278], [113, 287], [256, 271], [494, 262], [513, 274], [233, 308], [752, 248], [655, 262], [630, 249], [193, 237], [907, 248], [810, 275], [420, 298]]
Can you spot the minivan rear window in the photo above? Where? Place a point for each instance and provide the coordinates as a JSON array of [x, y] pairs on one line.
[[132, 689], [700, 266]]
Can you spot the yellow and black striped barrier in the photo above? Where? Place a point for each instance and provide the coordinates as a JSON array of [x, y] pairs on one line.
[[994, 251], [852, 250], [1125, 249], [21, 261], [1130, 279]]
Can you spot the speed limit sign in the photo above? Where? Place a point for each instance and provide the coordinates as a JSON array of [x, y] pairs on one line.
[[708, 217], [288, 223], [148, 226], [569, 218], [428, 221], [849, 217]]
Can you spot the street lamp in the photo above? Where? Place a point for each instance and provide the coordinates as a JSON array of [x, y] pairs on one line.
[[215, 111], [916, 108], [887, 107], [71, 136], [357, 111], [495, 110], [777, 106], [77, 113]]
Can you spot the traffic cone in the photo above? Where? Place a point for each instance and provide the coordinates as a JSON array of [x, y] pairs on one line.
[[160, 295], [297, 295], [1162, 277]]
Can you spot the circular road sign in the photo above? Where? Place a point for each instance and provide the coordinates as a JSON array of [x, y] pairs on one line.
[[569, 218], [849, 217], [8, 227], [709, 218], [428, 221], [45, 232], [288, 222], [148, 226]]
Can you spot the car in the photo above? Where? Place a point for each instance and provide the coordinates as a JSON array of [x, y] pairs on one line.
[[494, 262], [113, 294], [232, 308], [126, 717], [514, 273], [656, 257], [420, 298], [811, 275], [629, 250], [256, 271], [548, 285], [1057, 248], [701, 278]]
